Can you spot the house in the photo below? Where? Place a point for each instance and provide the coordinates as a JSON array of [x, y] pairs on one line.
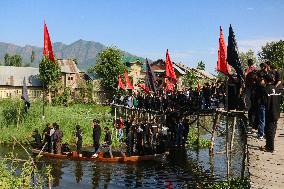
[[70, 74], [11, 81], [137, 71], [159, 69]]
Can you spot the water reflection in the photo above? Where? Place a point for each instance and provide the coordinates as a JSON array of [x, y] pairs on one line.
[[78, 171], [57, 172]]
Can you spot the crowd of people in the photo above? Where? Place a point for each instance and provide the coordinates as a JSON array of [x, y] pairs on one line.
[[260, 93], [263, 98]]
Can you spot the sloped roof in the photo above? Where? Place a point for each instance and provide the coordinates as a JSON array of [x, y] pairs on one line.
[[68, 66], [14, 76], [204, 73]]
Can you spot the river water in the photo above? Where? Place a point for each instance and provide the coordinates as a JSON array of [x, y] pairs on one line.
[[182, 169]]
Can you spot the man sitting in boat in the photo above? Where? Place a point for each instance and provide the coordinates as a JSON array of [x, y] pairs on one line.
[[36, 144], [107, 143]]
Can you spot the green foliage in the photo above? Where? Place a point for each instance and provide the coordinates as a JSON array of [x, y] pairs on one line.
[[201, 65], [14, 60], [49, 72], [18, 173], [86, 89], [13, 113], [190, 79], [193, 139], [245, 56], [234, 183], [273, 52], [66, 117], [108, 66], [63, 98]]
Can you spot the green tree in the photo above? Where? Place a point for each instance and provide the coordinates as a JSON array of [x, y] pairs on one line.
[[245, 56], [14, 60], [190, 79], [108, 66], [49, 72], [273, 52], [201, 65]]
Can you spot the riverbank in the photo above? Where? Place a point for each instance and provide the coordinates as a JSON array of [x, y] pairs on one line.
[[15, 122]]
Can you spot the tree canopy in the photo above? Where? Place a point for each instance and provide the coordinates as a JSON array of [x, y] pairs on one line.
[[273, 52], [201, 65], [13, 60], [109, 65], [49, 72], [245, 56], [190, 79]]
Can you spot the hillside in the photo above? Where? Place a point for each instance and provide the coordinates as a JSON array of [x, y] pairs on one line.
[[84, 51]]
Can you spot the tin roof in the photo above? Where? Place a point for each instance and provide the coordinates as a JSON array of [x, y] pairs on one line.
[[68, 66], [14, 76]]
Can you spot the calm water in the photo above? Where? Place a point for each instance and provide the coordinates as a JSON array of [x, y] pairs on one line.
[[182, 169]]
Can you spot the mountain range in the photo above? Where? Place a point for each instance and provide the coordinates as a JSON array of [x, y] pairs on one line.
[[85, 52]]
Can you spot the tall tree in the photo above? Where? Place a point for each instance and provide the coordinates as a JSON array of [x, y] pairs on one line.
[[201, 65], [49, 72], [273, 52], [245, 56], [109, 65]]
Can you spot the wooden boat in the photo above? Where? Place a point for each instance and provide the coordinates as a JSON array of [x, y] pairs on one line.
[[124, 159]]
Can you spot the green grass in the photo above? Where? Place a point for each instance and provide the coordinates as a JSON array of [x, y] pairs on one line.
[[233, 183], [66, 117]]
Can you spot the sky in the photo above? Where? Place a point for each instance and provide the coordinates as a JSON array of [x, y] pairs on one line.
[[146, 28]]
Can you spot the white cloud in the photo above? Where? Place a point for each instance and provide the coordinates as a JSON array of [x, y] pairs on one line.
[[250, 8], [255, 44]]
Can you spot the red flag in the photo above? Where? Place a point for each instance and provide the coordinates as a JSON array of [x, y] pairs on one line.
[[169, 85], [170, 73], [144, 88], [47, 46], [127, 81], [120, 83], [222, 65]]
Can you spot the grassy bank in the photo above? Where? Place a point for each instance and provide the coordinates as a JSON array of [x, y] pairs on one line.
[[15, 122]]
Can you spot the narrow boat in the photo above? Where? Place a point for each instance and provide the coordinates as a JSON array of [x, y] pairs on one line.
[[123, 159]]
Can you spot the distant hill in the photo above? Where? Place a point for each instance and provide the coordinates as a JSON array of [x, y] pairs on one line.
[[84, 51]]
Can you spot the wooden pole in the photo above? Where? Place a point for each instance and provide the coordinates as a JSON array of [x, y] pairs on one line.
[[214, 127], [198, 132], [233, 134], [227, 146]]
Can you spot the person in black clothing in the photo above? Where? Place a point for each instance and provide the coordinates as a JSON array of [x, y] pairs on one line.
[[57, 138], [36, 144], [107, 141], [79, 140], [96, 134], [272, 112], [207, 96], [260, 98], [130, 141], [47, 137]]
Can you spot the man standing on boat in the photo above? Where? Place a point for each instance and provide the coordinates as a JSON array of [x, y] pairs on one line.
[[57, 139], [96, 135], [79, 140]]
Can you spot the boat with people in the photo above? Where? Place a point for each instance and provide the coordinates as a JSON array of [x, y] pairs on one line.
[[102, 157]]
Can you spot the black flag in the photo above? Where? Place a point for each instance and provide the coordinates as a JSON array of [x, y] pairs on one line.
[[233, 55], [25, 96], [150, 80]]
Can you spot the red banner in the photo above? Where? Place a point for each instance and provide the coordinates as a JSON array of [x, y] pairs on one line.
[[170, 72], [47, 46]]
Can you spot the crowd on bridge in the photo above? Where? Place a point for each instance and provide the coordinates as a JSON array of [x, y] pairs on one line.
[[260, 93]]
